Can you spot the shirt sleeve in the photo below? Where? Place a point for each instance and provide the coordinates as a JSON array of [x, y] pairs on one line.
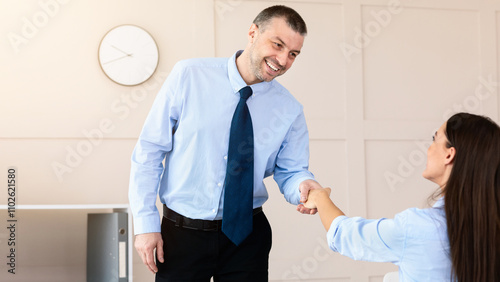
[[292, 161], [154, 142], [378, 240]]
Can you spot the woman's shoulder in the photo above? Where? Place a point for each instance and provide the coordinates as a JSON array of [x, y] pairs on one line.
[[428, 222]]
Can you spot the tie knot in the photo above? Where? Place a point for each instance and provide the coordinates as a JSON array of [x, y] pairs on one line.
[[245, 92]]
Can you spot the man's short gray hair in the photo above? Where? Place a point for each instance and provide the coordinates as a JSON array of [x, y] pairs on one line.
[[292, 18]]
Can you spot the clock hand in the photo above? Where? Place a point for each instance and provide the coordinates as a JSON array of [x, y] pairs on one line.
[[119, 58], [121, 51]]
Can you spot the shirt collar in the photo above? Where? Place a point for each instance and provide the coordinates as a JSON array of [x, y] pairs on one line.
[[439, 203], [237, 81]]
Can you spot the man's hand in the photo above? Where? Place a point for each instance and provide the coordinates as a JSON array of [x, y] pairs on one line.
[[145, 244], [304, 187], [314, 195]]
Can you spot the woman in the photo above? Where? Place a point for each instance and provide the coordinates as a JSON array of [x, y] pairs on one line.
[[458, 239]]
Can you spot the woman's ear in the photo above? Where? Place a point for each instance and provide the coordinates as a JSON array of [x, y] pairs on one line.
[[450, 156]]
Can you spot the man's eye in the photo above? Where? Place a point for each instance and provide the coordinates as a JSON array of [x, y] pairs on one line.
[[433, 138]]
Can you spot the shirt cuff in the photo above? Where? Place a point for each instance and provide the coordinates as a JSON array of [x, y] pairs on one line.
[[147, 224], [330, 235], [295, 197]]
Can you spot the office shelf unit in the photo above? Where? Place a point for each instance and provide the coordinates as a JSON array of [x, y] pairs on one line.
[[88, 209]]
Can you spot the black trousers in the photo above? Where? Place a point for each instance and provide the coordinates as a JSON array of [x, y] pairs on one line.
[[193, 255]]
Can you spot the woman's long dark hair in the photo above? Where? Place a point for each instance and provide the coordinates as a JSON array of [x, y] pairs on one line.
[[472, 198]]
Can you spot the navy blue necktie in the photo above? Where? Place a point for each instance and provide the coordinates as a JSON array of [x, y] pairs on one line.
[[237, 216]]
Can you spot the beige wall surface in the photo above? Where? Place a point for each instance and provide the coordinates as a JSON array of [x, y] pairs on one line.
[[376, 78]]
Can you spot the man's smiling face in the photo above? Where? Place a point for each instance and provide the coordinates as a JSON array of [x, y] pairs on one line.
[[274, 49]]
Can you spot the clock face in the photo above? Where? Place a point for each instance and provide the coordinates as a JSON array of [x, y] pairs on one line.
[[128, 55]]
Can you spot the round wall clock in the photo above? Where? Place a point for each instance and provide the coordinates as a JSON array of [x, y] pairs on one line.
[[128, 55]]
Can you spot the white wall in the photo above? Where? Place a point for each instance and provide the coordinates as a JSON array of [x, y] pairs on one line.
[[376, 78]]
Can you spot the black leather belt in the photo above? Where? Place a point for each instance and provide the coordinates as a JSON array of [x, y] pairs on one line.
[[196, 224]]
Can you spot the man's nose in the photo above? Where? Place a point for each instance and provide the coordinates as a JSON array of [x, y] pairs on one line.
[[282, 59]]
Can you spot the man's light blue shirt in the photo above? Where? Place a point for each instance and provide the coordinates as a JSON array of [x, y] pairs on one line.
[[188, 129], [416, 240]]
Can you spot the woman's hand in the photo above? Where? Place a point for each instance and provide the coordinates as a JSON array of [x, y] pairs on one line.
[[316, 194]]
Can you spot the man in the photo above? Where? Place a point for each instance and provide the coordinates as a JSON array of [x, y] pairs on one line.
[[209, 229]]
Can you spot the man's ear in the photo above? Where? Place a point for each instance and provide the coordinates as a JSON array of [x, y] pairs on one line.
[[252, 32], [450, 157]]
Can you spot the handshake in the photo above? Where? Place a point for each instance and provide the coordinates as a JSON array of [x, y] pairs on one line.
[[318, 200], [311, 193], [315, 196]]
